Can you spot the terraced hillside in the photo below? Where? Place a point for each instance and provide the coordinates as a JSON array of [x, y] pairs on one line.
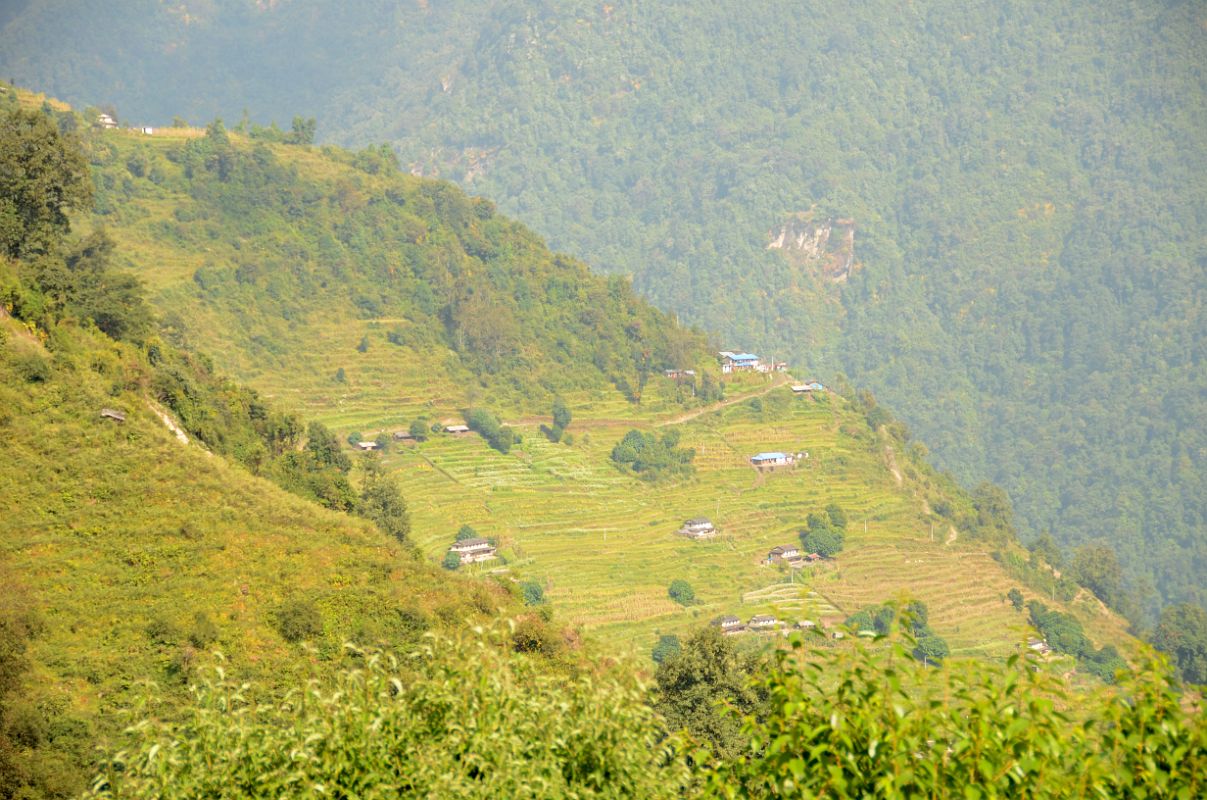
[[344, 340]]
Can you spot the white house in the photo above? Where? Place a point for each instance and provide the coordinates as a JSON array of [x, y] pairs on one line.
[[773, 459], [472, 551], [762, 622], [456, 429], [106, 121], [729, 624], [367, 446], [698, 528], [785, 553]]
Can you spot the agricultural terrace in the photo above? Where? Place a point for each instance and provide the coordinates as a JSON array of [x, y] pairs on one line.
[[604, 545]]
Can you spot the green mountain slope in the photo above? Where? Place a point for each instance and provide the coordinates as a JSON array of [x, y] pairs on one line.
[[600, 543], [1024, 185]]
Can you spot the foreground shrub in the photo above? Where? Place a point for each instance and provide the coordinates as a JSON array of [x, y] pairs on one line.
[[872, 722], [454, 719]]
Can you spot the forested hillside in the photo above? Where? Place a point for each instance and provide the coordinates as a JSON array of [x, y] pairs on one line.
[[1023, 182]]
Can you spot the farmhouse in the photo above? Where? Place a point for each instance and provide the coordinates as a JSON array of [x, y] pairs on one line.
[[1039, 646], [677, 374], [785, 554], [729, 624], [738, 362], [763, 622], [367, 446], [456, 429], [773, 459], [698, 528], [105, 121], [472, 551], [808, 388], [403, 436], [773, 366], [113, 414]]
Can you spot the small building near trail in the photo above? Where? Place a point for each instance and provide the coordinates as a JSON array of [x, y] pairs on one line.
[[808, 388], [698, 528], [403, 436], [1039, 646], [678, 374], [456, 429], [471, 551], [772, 460], [729, 625], [367, 446], [113, 414], [785, 554]]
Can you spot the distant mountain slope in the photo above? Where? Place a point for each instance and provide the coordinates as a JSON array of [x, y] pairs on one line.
[[1023, 180]]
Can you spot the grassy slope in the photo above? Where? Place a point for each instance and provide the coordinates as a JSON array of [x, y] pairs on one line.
[[112, 526], [603, 542]]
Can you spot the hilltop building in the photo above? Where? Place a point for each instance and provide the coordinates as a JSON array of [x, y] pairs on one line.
[[105, 121], [367, 446], [763, 622], [808, 388], [456, 429]]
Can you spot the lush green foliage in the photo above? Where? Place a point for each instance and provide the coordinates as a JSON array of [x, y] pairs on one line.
[[1065, 635], [706, 688], [532, 593], [872, 722], [487, 425], [451, 718], [825, 535], [1182, 634], [668, 647], [681, 592], [652, 457]]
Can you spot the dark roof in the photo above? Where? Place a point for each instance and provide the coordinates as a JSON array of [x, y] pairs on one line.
[[727, 618], [478, 542], [698, 521]]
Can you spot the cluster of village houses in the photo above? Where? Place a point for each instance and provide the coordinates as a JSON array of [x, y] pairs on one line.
[[698, 528], [109, 123], [407, 436], [759, 623]]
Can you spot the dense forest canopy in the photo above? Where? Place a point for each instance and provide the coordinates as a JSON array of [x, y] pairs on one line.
[[1023, 182]]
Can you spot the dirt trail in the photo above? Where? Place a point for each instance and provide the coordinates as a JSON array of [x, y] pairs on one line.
[[892, 465], [776, 382], [952, 534], [604, 422]]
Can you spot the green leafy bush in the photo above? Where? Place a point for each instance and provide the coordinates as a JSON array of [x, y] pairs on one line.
[[652, 457], [299, 620], [454, 718], [681, 592]]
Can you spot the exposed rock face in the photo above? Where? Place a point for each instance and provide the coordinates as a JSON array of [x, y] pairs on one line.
[[829, 243]]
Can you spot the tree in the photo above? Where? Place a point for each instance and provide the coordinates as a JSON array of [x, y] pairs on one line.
[[363, 347], [43, 176], [838, 517], [299, 620], [451, 561], [382, 503], [1096, 567], [681, 592], [1182, 634], [707, 673], [931, 649], [532, 593], [668, 647], [465, 532], [1045, 547], [1016, 598], [323, 446], [303, 130], [825, 542]]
